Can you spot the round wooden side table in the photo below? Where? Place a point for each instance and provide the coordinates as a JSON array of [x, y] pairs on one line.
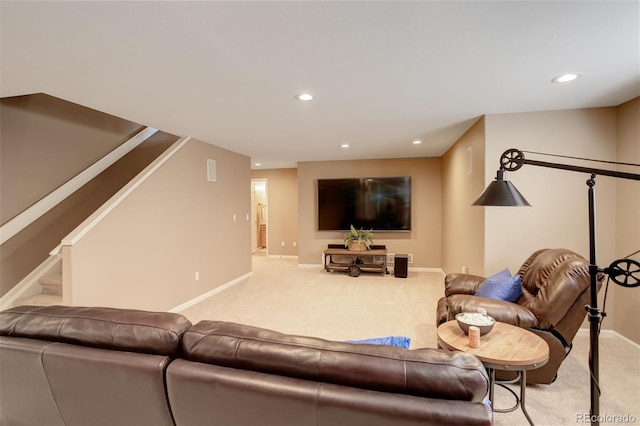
[[505, 347]]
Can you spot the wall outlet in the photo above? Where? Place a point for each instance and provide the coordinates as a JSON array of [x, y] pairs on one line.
[[465, 270], [234, 217], [197, 276], [282, 243], [294, 244]]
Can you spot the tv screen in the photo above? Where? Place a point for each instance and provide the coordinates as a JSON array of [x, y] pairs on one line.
[[381, 204]]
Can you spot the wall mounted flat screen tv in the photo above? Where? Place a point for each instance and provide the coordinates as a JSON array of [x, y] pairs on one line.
[[381, 204]]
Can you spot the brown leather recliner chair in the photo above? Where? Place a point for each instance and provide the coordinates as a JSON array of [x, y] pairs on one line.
[[555, 285]]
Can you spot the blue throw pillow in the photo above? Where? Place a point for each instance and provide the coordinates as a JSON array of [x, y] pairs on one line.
[[501, 286], [399, 341]]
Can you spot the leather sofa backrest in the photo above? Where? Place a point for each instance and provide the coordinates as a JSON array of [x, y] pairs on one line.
[[107, 328], [422, 372], [552, 281], [538, 268]]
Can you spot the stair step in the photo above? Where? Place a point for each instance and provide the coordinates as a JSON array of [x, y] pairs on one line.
[[39, 300], [51, 284]]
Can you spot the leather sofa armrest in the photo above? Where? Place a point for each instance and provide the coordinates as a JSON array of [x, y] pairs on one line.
[[442, 311], [461, 284], [500, 310]]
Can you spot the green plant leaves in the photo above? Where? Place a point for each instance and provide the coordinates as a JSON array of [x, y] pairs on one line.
[[359, 235]]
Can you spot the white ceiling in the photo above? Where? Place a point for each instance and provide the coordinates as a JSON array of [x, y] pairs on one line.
[[384, 73]]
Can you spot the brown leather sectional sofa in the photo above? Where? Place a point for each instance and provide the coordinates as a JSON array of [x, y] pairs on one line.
[[101, 366]]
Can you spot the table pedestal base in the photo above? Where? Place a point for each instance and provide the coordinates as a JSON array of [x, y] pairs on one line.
[[520, 400]]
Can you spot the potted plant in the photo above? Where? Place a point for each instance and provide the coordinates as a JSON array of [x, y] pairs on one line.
[[358, 239]]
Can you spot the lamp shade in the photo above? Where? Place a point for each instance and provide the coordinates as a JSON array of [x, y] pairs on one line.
[[501, 192]]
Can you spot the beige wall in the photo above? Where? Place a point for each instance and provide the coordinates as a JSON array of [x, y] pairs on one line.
[[559, 216], [423, 241], [624, 310], [145, 253], [45, 141], [463, 224], [282, 210]]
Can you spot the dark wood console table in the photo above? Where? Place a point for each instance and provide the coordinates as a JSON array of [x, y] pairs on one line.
[[364, 260]]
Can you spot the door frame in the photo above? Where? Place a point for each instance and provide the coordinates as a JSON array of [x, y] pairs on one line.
[[255, 221]]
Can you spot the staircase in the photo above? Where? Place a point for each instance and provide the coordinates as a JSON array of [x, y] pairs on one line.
[[51, 292]]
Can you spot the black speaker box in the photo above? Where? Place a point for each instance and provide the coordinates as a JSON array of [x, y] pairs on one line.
[[401, 266]]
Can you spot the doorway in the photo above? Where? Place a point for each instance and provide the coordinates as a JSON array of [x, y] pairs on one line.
[[259, 216]]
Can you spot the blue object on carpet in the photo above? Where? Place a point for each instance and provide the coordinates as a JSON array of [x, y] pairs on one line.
[[486, 401], [399, 341]]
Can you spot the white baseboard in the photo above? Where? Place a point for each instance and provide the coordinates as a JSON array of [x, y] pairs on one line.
[[282, 256], [210, 293], [439, 270], [310, 265], [606, 332]]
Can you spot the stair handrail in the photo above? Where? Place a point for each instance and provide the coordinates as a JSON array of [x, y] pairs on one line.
[[88, 224], [49, 201]]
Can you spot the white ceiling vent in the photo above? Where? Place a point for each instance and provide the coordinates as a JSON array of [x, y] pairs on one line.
[[211, 170]]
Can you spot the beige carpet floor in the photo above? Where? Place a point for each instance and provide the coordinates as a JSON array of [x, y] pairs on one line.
[[283, 296]]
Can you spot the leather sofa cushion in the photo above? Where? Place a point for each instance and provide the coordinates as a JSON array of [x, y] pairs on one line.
[[156, 333], [421, 372]]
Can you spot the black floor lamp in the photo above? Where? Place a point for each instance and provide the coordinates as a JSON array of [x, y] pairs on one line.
[[625, 272]]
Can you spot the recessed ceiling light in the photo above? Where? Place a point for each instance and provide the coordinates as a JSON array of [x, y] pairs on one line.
[[258, 164], [344, 146], [565, 78], [416, 142], [305, 97]]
